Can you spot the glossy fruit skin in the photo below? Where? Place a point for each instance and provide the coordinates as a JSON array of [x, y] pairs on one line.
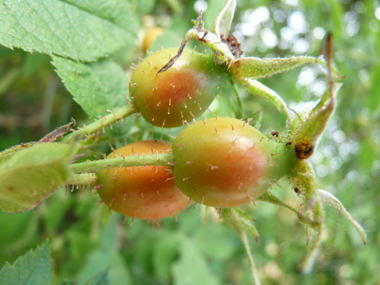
[[224, 162], [182, 93], [142, 192]]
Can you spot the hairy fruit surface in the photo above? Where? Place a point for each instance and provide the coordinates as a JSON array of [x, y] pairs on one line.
[[146, 192], [224, 162], [179, 94]]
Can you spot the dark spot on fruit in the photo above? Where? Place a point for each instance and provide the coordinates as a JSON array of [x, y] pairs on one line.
[[233, 45], [297, 190], [304, 150], [275, 134]]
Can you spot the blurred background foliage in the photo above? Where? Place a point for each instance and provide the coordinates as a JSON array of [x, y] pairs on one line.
[[85, 240]]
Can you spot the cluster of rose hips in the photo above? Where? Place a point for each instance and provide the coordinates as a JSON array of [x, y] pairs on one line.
[[221, 162]]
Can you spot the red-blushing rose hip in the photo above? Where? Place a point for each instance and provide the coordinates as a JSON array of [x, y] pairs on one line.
[[179, 94], [224, 162], [141, 192]]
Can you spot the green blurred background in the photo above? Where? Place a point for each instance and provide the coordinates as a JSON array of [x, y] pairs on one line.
[[84, 240]]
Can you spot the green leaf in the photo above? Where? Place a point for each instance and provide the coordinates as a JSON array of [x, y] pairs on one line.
[[80, 245], [97, 87], [34, 268], [80, 29], [145, 7], [100, 279], [217, 241], [165, 252], [114, 11], [14, 227], [102, 258], [107, 256], [192, 267], [67, 282], [29, 176]]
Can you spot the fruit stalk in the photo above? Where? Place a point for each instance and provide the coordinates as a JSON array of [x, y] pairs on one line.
[[137, 160], [102, 123]]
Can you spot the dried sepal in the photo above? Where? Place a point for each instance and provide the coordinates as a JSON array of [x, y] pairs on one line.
[[58, 133]]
